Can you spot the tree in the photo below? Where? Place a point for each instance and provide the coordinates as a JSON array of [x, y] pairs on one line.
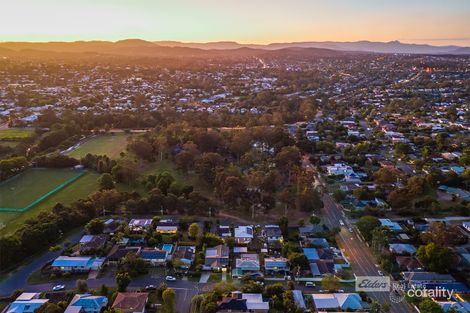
[[314, 219], [169, 300], [164, 181], [435, 258], [366, 225], [105, 181], [443, 235], [122, 281], [193, 230], [427, 305], [330, 283], [298, 259], [402, 149], [81, 285], [385, 176], [95, 226]]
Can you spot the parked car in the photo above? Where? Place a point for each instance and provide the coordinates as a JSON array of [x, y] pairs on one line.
[[350, 229], [341, 222], [150, 287], [58, 287], [309, 284], [381, 273], [170, 278]]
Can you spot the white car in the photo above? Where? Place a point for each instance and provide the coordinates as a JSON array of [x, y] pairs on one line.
[[58, 287], [381, 273], [341, 222], [351, 230], [309, 284], [170, 278]]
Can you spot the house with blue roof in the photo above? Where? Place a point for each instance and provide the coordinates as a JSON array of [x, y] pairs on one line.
[[87, 303], [276, 265], [77, 264], [154, 256], [26, 303], [387, 223]]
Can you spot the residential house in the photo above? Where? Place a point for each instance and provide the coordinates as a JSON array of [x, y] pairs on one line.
[[246, 263], [131, 302], [338, 301], [87, 303], [139, 225], [402, 248], [339, 169], [185, 254], [466, 225], [310, 230], [91, 243], [27, 302], [272, 233], [244, 234], [408, 263], [223, 231], [321, 261], [319, 242], [276, 265], [154, 256], [387, 223], [77, 264], [216, 258], [419, 279], [167, 226], [111, 226], [118, 252], [243, 302]]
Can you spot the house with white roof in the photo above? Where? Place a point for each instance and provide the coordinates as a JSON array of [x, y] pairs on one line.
[[244, 234], [27, 302], [341, 301]]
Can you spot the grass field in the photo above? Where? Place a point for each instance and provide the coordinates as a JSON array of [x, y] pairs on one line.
[[79, 189], [25, 188], [110, 145], [15, 134]]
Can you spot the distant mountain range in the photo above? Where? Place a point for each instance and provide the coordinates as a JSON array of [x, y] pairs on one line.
[[357, 46], [142, 48]]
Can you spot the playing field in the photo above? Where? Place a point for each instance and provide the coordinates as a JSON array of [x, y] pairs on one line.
[[110, 145], [15, 134], [25, 188]]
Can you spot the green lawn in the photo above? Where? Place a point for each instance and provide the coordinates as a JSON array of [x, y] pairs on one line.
[[9, 143], [15, 134], [79, 189], [110, 145], [28, 186]]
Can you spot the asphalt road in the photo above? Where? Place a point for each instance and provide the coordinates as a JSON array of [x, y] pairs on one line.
[[360, 257]]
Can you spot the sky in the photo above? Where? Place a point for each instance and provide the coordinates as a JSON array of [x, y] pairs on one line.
[[437, 22]]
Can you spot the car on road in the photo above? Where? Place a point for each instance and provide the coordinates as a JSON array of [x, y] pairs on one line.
[[341, 222], [309, 284], [150, 287], [170, 278], [350, 229], [381, 273], [58, 287], [341, 291]]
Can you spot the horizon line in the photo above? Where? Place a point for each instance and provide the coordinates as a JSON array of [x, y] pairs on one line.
[[402, 41]]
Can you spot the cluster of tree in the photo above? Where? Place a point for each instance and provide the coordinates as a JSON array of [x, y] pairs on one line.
[[55, 161], [99, 163], [12, 166]]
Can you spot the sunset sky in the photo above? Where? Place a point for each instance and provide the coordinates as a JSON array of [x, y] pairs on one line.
[[437, 22]]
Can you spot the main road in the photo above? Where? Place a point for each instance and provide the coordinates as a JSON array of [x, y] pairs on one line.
[[356, 251]]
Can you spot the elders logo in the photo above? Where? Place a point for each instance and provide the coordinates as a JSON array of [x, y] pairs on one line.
[[373, 283]]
